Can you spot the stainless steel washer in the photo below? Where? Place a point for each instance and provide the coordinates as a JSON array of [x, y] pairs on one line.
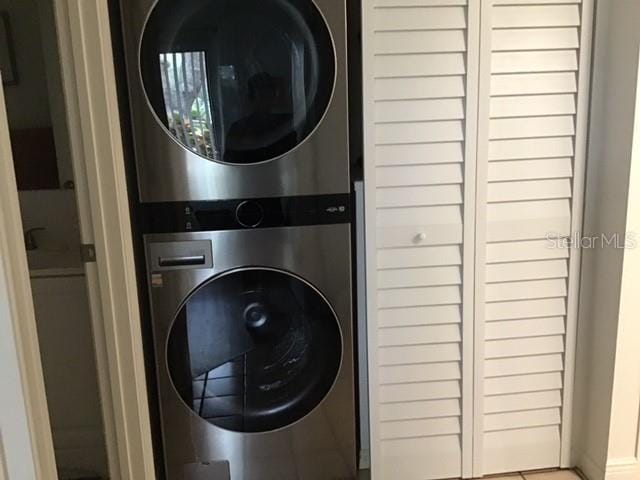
[[237, 99], [254, 351]]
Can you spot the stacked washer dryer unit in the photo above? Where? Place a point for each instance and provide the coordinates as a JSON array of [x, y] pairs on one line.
[[240, 124]]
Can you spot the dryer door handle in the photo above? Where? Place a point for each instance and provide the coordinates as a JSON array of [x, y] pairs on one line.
[[182, 261]]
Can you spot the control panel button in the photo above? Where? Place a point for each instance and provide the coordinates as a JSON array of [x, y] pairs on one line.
[[249, 214]]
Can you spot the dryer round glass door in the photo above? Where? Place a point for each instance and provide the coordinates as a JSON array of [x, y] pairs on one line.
[[238, 81], [254, 350]]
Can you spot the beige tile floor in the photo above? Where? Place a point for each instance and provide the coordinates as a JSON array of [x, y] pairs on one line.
[[542, 475]]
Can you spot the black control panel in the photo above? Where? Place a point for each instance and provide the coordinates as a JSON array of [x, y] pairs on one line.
[[174, 217]]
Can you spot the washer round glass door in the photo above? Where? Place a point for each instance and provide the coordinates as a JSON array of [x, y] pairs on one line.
[[238, 81], [254, 350]]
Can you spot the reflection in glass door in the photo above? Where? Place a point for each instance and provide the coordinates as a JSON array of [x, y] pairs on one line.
[[187, 101], [254, 350], [238, 82]]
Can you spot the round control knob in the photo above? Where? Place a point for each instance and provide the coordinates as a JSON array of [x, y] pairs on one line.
[[249, 214], [420, 237]]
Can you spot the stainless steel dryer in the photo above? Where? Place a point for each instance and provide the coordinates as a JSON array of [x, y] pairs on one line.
[[238, 98], [254, 347]]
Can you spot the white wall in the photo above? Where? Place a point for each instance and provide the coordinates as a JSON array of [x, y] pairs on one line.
[[624, 445], [602, 437], [14, 428]]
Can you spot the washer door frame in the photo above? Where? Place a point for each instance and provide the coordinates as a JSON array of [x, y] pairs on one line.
[[227, 273], [310, 131]]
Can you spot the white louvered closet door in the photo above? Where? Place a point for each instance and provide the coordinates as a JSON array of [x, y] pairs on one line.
[[420, 112], [475, 126], [532, 124]]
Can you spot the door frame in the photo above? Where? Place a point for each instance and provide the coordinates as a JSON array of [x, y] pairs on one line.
[[35, 450], [89, 87]]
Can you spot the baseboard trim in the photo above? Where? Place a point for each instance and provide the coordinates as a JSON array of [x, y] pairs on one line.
[[623, 469]]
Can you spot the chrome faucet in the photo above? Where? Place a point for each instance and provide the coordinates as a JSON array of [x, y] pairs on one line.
[[30, 239]]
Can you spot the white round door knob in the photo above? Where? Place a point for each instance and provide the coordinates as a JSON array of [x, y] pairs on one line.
[[420, 237]]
